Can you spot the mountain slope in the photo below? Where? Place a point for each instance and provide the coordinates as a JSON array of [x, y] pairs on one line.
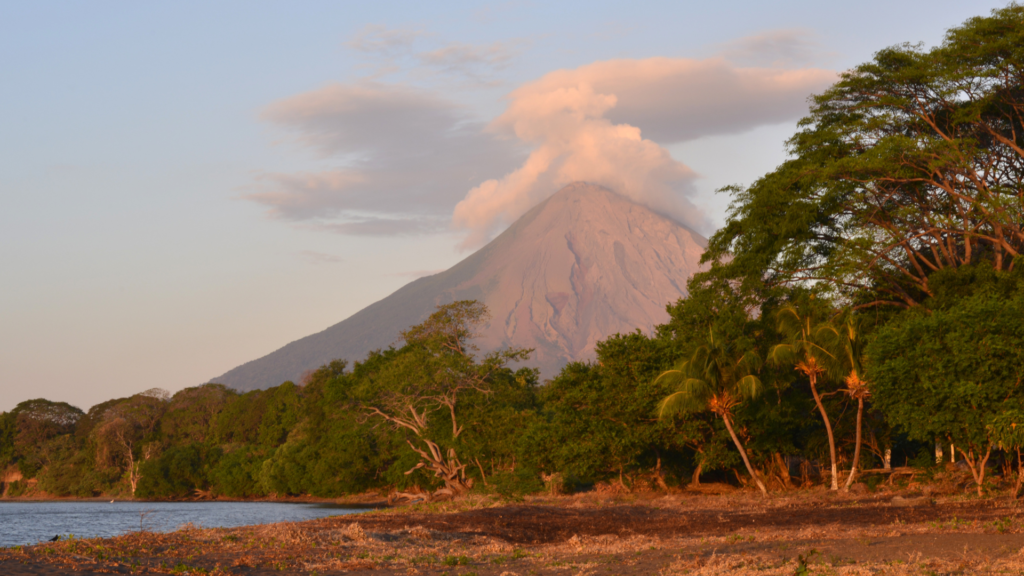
[[579, 267]]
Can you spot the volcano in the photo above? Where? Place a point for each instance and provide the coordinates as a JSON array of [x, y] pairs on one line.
[[581, 266]]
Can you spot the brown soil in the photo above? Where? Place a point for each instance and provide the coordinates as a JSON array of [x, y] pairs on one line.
[[739, 533], [544, 524]]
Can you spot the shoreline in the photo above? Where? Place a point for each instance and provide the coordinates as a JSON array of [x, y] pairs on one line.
[[887, 532], [368, 500]]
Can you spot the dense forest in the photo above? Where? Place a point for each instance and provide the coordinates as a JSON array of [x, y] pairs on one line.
[[861, 306]]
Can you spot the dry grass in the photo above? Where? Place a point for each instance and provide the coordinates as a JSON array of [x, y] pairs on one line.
[[396, 541]]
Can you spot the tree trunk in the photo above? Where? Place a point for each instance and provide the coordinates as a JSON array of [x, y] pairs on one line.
[[133, 467], [828, 429], [856, 450], [787, 481], [482, 475], [658, 476], [743, 453], [133, 477], [696, 473], [977, 468], [1020, 476], [449, 469]]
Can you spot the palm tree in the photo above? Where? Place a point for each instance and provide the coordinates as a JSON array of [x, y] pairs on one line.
[[714, 379], [803, 350], [846, 344]]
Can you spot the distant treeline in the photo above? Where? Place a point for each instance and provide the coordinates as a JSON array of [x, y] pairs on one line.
[[863, 304]]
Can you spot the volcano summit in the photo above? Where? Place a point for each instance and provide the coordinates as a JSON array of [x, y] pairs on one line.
[[581, 266]]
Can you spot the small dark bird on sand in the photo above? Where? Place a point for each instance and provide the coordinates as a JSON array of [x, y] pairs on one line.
[[54, 539]]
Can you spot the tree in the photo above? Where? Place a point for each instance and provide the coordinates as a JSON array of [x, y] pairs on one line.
[[1007, 431], [8, 431], [910, 164], [192, 412], [804, 351], [431, 373], [125, 429], [181, 471], [715, 378], [39, 425], [600, 418], [239, 422], [846, 345], [965, 367]]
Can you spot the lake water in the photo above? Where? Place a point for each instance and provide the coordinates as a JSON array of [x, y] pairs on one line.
[[31, 522]]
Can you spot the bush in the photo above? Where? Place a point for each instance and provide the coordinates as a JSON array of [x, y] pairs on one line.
[[237, 473], [178, 472], [68, 477], [963, 369], [17, 488], [514, 484]]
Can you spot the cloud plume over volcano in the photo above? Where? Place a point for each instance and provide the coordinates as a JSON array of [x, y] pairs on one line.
[[404, 157], [605, 122]]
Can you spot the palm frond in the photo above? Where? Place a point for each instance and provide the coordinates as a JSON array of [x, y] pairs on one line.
[[669, 376], [680, 402], [696, 388], [782, 354], [750, 362], [749, 386], [700, 357], [789, 321], [844, 349]]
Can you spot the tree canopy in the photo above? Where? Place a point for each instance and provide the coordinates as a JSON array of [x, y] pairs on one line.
[[910, 164]]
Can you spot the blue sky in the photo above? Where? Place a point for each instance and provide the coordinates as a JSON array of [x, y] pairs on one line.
[[170, 172]]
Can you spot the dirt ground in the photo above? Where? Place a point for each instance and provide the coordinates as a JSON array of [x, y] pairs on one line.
[[794, 533]]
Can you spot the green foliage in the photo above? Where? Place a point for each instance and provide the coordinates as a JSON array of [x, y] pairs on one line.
[[239, 421], [1006, 429], [8, 431], [178, 472], [512, 485], [36, 433], [71, 474], [716, 377], [427, 390], [192, 413], [579, 436], [924, 459], [17, 488], [964, 368], [599, 420], [237, 473], [88, 422], [281, 412], [909, 164]]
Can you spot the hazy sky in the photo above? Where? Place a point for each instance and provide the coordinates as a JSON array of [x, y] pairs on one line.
[[187, 186]]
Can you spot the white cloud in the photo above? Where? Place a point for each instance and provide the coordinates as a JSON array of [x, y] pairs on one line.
[[473, 61], [585, 124], [379, 40], [777, 48], [405, 158], [396, 49]]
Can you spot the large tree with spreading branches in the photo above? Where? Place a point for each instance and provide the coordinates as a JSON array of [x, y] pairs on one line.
[[909, 164]]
